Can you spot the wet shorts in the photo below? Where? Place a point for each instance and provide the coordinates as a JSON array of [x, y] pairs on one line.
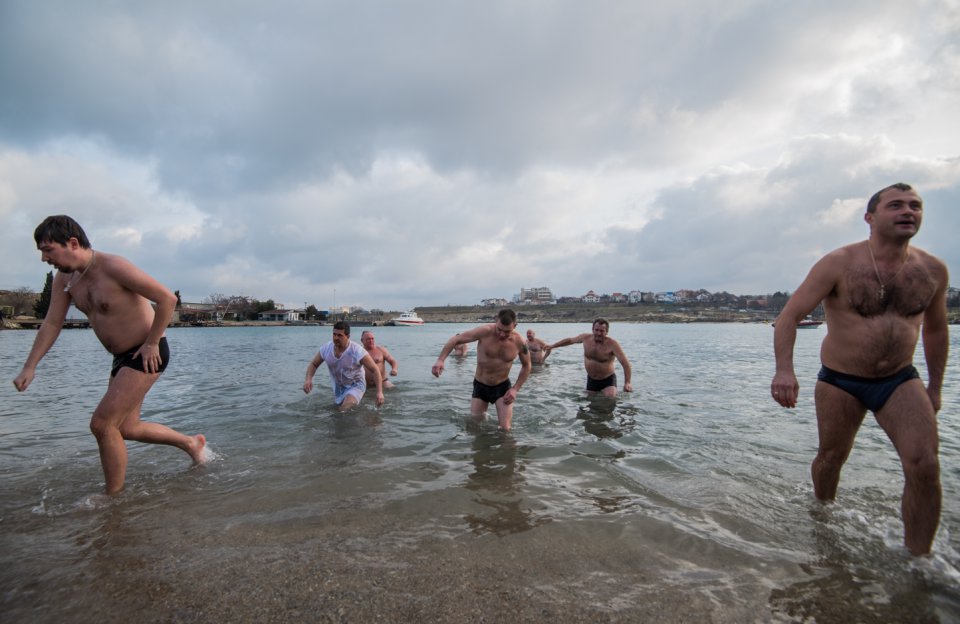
[[871, 391], [356, 390], [490, 394], [597, 385], [126, 360]]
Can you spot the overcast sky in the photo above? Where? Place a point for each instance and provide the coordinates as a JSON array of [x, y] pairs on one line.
[[400, 153]]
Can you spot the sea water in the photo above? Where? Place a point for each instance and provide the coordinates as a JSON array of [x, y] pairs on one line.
[[687, 499]]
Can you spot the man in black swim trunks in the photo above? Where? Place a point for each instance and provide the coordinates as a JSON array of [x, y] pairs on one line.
[[600, 352], [116, 296], [498, 345], [880, 296]]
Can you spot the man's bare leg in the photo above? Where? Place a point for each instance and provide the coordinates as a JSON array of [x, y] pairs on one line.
[[504, 414], [349, 402], [839, 416], [117, 418], [911, 424], [478, 409]]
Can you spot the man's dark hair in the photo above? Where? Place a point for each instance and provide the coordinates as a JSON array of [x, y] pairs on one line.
[[507, 316], [603, 322], [60, 229], [875, 200], [342, 326]]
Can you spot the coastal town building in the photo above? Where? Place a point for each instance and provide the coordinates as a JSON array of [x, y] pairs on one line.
[[539, 296], [286, 316]]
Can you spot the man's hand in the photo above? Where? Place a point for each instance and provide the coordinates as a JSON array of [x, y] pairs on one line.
[[510, 396], [23, 379], [307, 386], [437, 369], [784, 389], [379, 398], [150, 355]]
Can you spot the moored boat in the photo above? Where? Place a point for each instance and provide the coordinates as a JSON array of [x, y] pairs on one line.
[[407, 319]]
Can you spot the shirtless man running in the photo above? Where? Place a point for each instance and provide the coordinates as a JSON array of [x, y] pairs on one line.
[[381, 357], [498, 345], [115, 295], [538, 348], [599, 353], [880, 296]]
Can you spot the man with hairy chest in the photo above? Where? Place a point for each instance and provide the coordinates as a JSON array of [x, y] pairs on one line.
[[880, 297]]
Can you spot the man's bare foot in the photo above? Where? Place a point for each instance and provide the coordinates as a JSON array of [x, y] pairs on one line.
[[198, 450]]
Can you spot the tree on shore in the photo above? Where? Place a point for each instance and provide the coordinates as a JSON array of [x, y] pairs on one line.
[[22, 299], [43, 302]]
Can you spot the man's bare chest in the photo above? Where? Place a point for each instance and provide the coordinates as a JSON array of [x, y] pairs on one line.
[[909, 293]]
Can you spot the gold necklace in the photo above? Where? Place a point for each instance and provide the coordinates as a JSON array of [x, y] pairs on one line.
[[72, 282], [882, 291]]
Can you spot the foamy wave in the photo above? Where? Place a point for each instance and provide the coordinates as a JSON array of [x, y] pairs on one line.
[[91, 502]]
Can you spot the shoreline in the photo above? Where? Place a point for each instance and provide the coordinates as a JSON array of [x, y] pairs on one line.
[[474, 315]]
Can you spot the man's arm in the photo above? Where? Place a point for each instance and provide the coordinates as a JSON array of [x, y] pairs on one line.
[[312, 370], [374, 371], [136, 280], [936, 340], [468, 336], [526, 366], [819, 283], [389, 360], [568, 341], [625, 363], [47, 334]]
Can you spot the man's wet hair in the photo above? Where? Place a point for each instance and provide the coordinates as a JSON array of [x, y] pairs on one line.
[[603, 322], [875, 200], [507, 316], [342, 326], [60, 229]]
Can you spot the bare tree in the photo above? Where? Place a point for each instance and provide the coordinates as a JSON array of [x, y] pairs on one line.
[[22, 300]]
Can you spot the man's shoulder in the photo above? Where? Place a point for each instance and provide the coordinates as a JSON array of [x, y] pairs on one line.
[[928, 258]]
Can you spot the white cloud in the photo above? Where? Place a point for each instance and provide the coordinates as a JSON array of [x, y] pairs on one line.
[[445, 153]]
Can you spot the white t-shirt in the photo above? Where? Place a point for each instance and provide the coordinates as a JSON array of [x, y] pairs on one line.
[[345, 370]]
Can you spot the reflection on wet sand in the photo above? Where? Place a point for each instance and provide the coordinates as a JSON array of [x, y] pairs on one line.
[[497, 483]]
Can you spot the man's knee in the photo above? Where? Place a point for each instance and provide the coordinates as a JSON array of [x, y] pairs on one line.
[[832, 458], [922, 468], [100, 425]]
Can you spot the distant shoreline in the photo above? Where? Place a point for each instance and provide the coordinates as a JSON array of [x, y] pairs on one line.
[[578, 313]]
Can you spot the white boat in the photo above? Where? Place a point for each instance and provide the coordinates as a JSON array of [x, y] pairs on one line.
[[407, 319]]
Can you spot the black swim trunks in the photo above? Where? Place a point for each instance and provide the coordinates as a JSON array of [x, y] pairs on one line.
[[871, 391], [126, 359], [597, 385], [490, 394]]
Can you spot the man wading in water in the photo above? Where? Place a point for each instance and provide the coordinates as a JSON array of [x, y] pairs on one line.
[[879, 295], [115, 295]]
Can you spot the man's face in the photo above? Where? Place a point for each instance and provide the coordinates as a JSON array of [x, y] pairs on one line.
[[504, 331], [898, 214], [340, 339], [599, 332], [530, 334], [56, 255], [367, 341]]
